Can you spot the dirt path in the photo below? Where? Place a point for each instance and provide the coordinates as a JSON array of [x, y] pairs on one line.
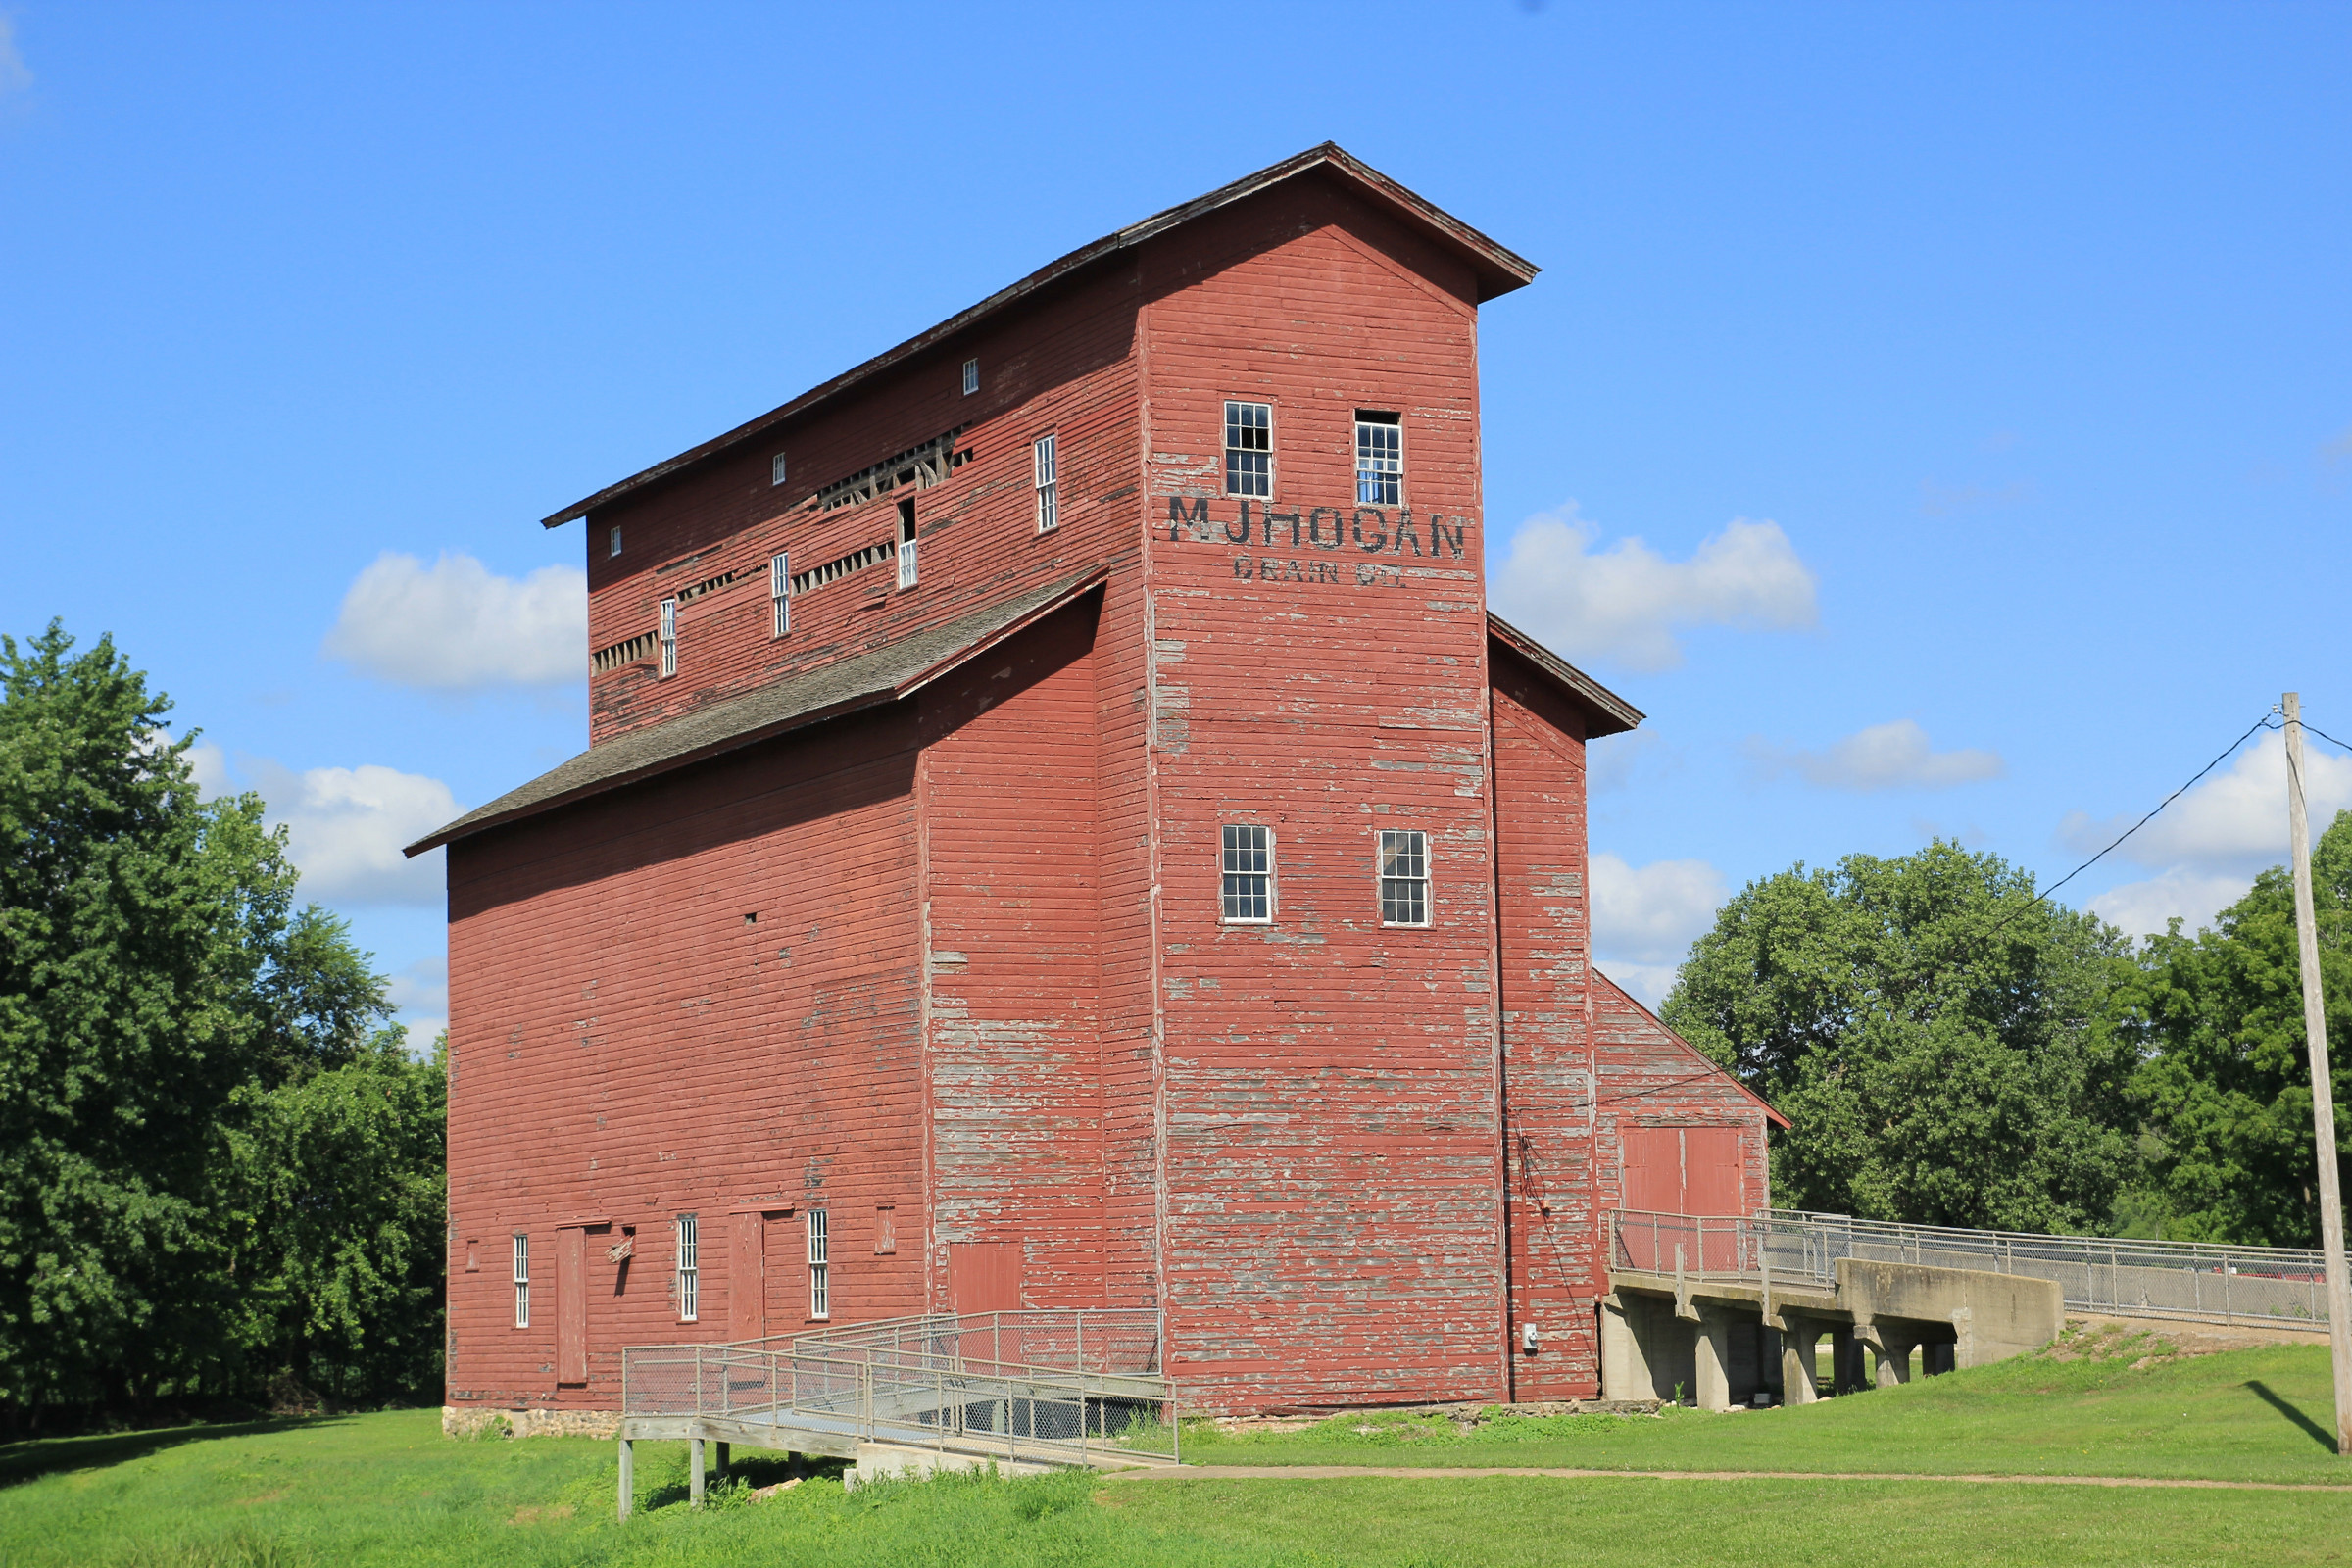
[[1341, 1472]]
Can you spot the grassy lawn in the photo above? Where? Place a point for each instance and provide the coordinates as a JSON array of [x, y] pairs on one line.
[[2242, 1415], [390, 1490]]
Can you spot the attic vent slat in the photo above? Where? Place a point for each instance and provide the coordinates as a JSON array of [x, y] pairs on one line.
[[856, 561], [921, 466]]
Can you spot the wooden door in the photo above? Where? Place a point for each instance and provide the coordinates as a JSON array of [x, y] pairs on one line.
[[1711, 1175], [571, 1305], [1653, 1170], [747, 1278]]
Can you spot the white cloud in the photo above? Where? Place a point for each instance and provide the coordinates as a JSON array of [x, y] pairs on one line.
[[345, 827], [1610, 763], [1626, 603], [420, 991], [1883, 756], [209, 767], [457, 626], [14, 75], [2233, 822], [2143, 907], [1650, 914]]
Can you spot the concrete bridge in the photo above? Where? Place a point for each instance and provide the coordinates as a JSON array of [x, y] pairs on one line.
[[1721, 1309]]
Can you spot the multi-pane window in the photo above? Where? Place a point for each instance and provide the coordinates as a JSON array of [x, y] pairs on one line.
[[1247, 893], [1248, 449], [1404, 877], [522, 1281], [775, 469], [971, 376], [613, 541], [1049, 517], [779, 591], [821, 1295], [670, 638], [1378, 459], [907, 564], [690, 1258]]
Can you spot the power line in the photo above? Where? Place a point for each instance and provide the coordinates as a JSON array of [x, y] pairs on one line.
[[2263, 722]]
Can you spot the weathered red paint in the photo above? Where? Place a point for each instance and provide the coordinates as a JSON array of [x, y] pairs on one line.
[[952, 968]]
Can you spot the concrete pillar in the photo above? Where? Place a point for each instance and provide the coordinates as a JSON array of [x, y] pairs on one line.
[[694, 1470], [1714, 1347], [1625, 1371], [1935, 1357], [628, 1476], [1843, 1357], [1799, 1339], [1894, 1357]]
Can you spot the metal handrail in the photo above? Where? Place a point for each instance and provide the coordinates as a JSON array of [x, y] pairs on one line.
[[909, 1380], [2094, 1273]]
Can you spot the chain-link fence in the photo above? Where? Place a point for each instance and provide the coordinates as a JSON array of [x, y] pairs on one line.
[[1063, 1386], [2276, 1285]]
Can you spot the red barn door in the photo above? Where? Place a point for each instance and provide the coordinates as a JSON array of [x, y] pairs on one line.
[[1711, 1182], [571, 1305], [747, 1278]]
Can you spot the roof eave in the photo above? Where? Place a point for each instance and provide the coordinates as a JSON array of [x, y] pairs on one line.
[[1500, 271], [1075, 589], [1614, 715]]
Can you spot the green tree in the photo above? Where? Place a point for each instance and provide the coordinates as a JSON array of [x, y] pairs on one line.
[[2225, 1089], [1943, 1043], [332, 1212], [136, 922], [217, 1169]]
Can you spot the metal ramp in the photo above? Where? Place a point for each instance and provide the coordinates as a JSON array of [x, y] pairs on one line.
[[1059, 1388]]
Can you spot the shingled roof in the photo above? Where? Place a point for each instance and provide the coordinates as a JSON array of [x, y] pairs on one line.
[[886, 674]]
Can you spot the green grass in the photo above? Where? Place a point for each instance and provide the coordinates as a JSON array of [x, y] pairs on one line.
[[2243, 1415], [387, 1489]]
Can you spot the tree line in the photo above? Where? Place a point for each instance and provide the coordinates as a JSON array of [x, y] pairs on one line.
[[222, 1173], [1951, 1049]]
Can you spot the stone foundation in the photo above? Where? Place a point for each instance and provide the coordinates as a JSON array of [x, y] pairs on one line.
[[478, 1420]]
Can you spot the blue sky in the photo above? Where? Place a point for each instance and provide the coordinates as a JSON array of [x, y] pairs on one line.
[[1938, 419]]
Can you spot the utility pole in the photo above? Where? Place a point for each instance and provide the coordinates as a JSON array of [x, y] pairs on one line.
[[2322, 1092]]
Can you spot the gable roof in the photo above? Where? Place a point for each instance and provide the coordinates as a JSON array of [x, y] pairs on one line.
[[1497, 270], [1612, 714], [885, 674], [1707, 1067]]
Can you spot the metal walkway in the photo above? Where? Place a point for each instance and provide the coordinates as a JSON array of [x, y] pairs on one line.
[[1015, 1388], [2277, 1287]]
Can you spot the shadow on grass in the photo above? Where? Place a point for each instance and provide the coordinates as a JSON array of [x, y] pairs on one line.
[[2293, 1412], [34, 1458], [745, 1473]]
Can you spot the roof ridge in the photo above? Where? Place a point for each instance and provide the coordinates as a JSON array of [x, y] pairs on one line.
[[1505, 267]]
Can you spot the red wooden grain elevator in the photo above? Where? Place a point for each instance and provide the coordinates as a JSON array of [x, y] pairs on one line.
[[1061, 828]]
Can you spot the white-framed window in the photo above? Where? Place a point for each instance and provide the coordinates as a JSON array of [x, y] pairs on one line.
[[1049, 512], [522, 1281], [907, 560], [1248, 449], [779, 591], [1247, 863], [689, 1262], [668, 638], [1403, 877], [613, 541], [1378, 459], [776, 470], [820, 1292], [971, 376]]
